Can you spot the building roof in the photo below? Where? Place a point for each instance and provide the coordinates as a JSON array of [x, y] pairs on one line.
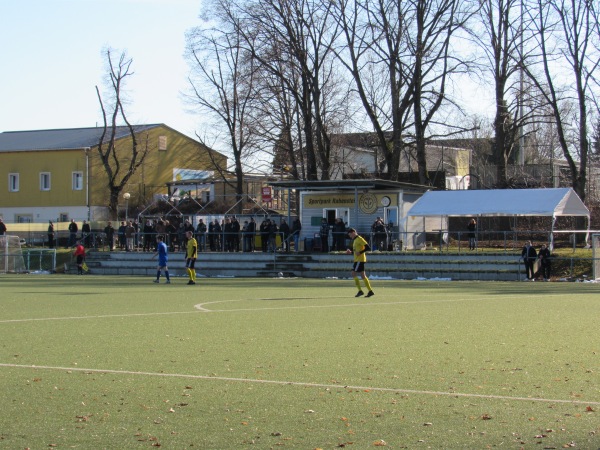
[[61, 139], [322, 185], [500, 202]]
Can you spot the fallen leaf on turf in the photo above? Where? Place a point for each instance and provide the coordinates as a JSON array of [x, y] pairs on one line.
[[486, 417], [589, 409], [380, 443]]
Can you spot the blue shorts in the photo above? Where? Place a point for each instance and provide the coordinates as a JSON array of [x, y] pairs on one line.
[[162, 262]]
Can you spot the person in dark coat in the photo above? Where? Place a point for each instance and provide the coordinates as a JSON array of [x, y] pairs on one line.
[[324, 235], [296, 229], [529, 255], [50, 234], [284, 229], [472, 227], [544, 256], [264, 234], [339, 235]]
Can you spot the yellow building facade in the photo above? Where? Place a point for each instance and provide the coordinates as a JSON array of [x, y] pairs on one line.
[[58, 175]]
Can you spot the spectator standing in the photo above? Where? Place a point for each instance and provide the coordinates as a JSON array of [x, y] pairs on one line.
[[73, 228], [86, 234], [264, 234], [129, 236], [529, 255], [201, 235], [211, 235], [235, 229], [339, 235], [181, 236], [172, 234], [121, 235], [472, 227], [249, 235], [324, 235], [379, 234], [109, 231], [50, 234], [272, 236], [228, 232], [296, 229], [148, 231], [284, 229], [2, 228], [545, 256]]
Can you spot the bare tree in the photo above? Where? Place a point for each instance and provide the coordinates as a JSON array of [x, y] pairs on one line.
[[119, 163], [564, 31], [500, 38], [223, 85], [292, 40], [436, 23], [400, 57]]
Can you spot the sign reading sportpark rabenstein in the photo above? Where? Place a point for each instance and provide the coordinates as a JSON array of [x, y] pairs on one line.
[[367, 202]]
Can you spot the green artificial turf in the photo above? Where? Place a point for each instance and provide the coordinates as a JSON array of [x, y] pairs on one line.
[[119, 362]]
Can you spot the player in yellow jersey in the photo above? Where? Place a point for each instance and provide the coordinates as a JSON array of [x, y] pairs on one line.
[[359, 249], [191, 255]]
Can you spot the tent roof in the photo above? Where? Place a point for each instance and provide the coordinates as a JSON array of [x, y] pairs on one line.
[[501, 202]]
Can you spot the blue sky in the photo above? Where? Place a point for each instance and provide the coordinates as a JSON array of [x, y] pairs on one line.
[[51, 53]]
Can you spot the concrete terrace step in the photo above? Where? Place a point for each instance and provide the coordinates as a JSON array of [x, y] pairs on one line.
[[466, 266]]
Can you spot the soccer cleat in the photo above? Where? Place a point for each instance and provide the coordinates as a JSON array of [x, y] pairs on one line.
[[168, 282], [359, 294], [370, 294], [191, 282], [156, 281]]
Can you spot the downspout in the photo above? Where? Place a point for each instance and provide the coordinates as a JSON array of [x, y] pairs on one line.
[[355, 207], [551, 243], [87, 182]]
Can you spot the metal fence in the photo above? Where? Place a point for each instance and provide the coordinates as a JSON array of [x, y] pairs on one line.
[[392, 241]]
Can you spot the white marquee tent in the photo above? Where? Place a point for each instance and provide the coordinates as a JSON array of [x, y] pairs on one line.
[[552, 202]]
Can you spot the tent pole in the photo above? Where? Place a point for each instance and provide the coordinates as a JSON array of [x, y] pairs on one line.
[[551, 243]]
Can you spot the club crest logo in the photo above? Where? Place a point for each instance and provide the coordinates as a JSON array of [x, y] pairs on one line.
[[367, 203]]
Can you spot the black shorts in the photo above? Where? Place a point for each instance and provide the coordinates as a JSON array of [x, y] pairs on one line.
[[190, 262], [79, 260], [358, 267]]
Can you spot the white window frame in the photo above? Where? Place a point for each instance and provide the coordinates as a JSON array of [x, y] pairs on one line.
[[162, 143], [77, 181], [13, 182], [45, 181]]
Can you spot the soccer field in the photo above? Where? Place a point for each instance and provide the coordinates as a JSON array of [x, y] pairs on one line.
[[122, 363]]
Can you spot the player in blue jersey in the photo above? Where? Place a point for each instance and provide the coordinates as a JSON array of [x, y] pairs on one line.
[[163, 257]]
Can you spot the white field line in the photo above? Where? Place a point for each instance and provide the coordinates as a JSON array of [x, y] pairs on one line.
[[301, 384], [201, 307]]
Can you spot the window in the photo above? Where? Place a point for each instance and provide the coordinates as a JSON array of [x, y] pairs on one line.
[[44, 181], [13, 182], [77, 181], [162, 143]]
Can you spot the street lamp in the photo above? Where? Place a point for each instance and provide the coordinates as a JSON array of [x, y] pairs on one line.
[[126, 196]]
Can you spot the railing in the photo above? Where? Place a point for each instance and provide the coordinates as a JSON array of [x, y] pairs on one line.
[[29, 260], [440, 240]]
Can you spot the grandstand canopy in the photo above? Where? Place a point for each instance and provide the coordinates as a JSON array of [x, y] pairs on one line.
[[552, 202]]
